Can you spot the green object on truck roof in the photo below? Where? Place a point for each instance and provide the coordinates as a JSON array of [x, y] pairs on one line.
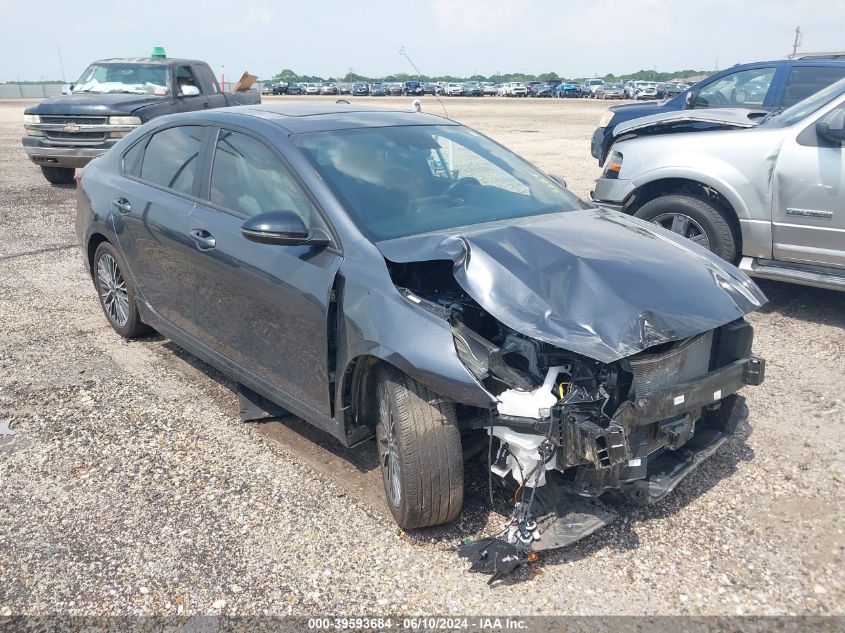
[[158, 52]]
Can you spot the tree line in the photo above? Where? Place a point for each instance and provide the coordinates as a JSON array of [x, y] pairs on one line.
[[289, 76]]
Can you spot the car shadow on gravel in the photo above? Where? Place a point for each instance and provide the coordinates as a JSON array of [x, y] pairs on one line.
[[815, 305]]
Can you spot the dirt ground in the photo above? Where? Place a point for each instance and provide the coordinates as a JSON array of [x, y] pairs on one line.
[[128, 485]]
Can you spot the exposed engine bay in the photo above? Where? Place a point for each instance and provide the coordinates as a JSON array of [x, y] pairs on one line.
[[568, 429]]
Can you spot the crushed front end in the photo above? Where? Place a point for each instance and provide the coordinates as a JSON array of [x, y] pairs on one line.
[[632, 429]]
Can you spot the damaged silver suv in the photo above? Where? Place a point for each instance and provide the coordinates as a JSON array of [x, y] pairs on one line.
[[397, 275]]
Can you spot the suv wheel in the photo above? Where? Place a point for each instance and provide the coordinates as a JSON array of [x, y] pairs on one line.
[[116, 292], [59, 175], [419, 451], [694, 218]]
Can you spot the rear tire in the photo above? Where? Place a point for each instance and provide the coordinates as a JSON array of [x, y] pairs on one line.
[[59, 175], [694, 216], [116, 292], [419, 451]]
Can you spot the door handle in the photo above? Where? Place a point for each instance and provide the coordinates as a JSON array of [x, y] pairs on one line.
[[205, 104], [203, 238], [122, 205]]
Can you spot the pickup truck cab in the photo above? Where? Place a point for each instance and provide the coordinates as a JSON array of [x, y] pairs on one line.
[[761, 85], [112, 98]]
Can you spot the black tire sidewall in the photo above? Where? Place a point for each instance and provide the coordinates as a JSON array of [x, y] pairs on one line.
[[717, 227], [133, 326], [58, 175], [423, 432]]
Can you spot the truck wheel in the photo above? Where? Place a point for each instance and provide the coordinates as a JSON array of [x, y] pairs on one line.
[[59, 175], [116, 292], [419, 450], [696, 219]]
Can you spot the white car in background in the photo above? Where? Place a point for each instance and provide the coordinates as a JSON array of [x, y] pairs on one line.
[[593, 85], [454, 90], [513, 89]]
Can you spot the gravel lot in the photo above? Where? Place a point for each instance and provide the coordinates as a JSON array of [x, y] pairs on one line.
[[128, 485]]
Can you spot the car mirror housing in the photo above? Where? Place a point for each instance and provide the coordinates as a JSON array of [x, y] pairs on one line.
[[189, 91], [832, 126], [282, 227], [689, 99]]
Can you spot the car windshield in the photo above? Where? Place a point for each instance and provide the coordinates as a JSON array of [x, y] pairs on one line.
[[805, 108], [399, 181], [129, 78]]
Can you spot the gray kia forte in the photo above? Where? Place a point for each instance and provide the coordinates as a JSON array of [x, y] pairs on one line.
[[396, 276]]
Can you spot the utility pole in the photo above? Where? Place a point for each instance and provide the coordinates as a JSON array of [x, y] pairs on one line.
[[61, 63], [799, 39]]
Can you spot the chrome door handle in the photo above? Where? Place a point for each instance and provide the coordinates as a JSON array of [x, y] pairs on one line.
[[122, 205], [203, 238]]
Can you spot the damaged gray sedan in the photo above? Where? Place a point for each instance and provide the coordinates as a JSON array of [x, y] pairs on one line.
[[398, 276]]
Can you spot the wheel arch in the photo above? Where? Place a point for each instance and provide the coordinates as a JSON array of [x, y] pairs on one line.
[[730, 204], [94, 241]]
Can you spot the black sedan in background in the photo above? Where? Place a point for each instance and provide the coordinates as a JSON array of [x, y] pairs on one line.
[[396, 276], [360, 90]]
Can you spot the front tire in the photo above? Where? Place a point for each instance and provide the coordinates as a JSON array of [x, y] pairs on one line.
[[58, 175], [419, 450], [116, 292], [694, 218]]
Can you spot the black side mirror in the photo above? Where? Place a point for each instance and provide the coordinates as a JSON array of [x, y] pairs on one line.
[[281, 227], [832, 126]]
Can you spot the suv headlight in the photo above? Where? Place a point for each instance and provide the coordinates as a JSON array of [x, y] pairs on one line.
[[606, 118], [124, 120], [613, 165], [31, 118]]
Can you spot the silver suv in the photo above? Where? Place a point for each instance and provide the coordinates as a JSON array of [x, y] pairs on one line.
[[770, 196]]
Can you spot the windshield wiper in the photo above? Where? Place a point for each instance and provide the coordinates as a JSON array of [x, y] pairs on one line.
[[771, 115]]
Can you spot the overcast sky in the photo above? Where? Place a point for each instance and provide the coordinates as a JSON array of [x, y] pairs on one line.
[[460, 37]]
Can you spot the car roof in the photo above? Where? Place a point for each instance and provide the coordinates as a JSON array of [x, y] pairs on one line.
[[158, 61], [300, 118]]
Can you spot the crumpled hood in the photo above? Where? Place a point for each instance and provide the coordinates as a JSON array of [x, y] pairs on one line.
[[595, 282], [725, 117], [93, 104]]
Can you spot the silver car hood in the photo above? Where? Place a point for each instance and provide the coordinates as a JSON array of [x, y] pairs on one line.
[[726, 117], [595, 282]]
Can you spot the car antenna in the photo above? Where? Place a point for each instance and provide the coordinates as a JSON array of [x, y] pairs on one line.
[[419, 74]]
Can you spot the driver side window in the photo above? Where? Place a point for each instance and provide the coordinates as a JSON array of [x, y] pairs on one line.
[[744, 89], [248, 179], [185, 78]]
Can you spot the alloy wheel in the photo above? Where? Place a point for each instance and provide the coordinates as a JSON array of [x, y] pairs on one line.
[[388, 449], [684, 226], [112, 288]]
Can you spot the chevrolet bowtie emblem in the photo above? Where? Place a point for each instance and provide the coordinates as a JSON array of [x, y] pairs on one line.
[[71, 127]]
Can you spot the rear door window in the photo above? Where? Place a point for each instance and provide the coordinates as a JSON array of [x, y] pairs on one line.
[[806, 80], [172, 157], [248, 178], [743, 89]]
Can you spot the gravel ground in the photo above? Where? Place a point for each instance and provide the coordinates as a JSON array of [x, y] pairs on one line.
[[128, 485]]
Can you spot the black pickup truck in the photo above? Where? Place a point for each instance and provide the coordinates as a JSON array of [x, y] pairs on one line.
[[111, 98]]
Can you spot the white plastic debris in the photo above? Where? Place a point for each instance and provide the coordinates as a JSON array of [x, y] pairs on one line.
[[528, 404]]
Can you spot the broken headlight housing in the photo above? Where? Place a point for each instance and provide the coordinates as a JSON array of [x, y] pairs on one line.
[[473, 350]]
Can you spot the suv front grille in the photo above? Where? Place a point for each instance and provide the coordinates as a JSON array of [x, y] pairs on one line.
[[75, 136], [76, 120]]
